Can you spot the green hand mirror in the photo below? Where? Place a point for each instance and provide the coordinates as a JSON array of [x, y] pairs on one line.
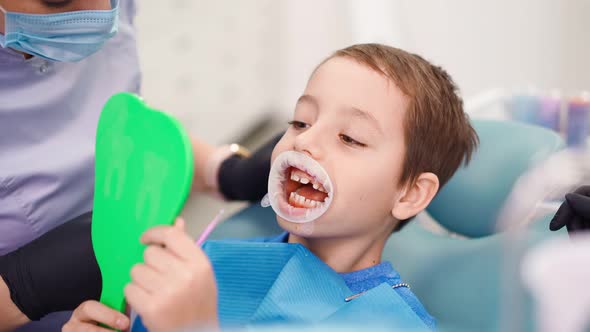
[[144, 170]]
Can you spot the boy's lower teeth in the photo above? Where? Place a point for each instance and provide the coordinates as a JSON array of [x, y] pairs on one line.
[[302, 202]]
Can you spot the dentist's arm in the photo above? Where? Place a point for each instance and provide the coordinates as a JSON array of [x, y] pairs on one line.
[[10, 315], [233, 175], [202, 153]]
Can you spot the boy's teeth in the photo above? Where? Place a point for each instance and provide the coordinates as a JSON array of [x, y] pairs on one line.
[[319, 187], [301, 177], [304, 202]]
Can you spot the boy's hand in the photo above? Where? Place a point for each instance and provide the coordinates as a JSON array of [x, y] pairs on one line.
[[175, 287], [90, 313]]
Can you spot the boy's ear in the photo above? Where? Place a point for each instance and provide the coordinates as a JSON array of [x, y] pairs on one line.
[[415, 197]]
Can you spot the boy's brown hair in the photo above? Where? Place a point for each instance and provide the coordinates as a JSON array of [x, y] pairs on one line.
[[438, 134]]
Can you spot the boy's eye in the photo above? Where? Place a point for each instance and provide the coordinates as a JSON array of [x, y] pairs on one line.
[[351, 141], [298, 124]]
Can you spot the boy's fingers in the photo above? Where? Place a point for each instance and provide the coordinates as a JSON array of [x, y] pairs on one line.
[[146, 278], [137, 298], [180, 223], [93, 311], [161, 260], [172, 238]]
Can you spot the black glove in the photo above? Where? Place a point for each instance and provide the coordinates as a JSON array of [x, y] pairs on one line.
[[55, 272], [246, 179], [574, 213]]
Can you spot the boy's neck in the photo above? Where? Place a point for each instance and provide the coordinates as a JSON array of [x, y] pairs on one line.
[[344, 255]]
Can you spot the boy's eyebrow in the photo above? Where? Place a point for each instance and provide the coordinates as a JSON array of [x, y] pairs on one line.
[[355, 111], [367, 116]]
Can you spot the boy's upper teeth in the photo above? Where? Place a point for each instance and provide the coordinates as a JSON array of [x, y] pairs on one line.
[[302, 177], [299, 177]]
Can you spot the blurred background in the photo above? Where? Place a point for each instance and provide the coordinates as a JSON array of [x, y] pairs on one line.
[[231, 71]]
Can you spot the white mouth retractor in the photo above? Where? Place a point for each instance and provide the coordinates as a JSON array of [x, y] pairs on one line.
[[276, 196]]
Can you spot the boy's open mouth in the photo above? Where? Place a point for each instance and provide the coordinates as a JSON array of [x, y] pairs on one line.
[[299, 188], [303, 190]]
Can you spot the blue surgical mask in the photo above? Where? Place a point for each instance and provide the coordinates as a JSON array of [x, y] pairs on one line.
[[62, 37]]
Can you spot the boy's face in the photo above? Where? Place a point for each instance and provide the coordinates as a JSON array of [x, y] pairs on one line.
[[350, 120]]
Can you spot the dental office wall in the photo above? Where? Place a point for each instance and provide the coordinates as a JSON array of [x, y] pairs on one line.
[[225, 66]]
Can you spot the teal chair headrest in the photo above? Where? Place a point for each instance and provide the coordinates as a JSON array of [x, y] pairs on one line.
[[470, 202]]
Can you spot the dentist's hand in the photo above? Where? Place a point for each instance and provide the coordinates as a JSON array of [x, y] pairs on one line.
[[574, 213], [175, 287]]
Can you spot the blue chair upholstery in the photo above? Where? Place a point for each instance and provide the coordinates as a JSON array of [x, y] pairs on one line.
[[458, 280], [506, 151]]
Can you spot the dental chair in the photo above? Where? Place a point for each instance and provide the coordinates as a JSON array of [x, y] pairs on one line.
[[457, 274]]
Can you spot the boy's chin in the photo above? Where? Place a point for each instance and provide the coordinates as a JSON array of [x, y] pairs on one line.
[[306, 230]]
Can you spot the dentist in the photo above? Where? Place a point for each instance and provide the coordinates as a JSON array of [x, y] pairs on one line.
[[60, 60]]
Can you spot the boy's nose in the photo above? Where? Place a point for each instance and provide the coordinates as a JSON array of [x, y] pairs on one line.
[[309, 143]]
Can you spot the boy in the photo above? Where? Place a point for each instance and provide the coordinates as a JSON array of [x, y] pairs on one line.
[[389, 130]]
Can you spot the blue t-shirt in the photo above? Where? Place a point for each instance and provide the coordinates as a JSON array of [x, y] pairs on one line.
[[366, 279]]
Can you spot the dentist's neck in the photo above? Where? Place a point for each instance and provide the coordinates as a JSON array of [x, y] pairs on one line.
[[27, 56], [345, 254]]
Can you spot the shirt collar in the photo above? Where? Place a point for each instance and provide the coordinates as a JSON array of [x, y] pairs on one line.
[[384, 269]]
